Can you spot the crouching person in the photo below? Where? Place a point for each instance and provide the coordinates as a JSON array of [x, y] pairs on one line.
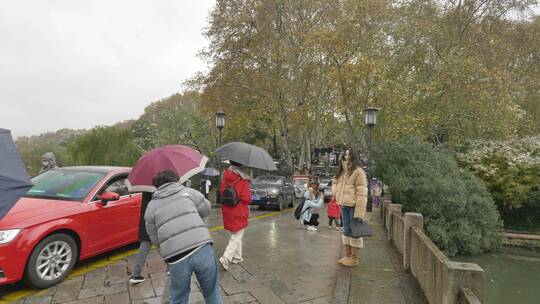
[[174, 224]]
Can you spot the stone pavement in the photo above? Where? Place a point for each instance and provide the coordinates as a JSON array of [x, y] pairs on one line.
[[283, 263], [380, 278]]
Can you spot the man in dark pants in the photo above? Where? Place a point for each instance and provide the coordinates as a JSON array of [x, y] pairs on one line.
[[174, 224], [146, 244]]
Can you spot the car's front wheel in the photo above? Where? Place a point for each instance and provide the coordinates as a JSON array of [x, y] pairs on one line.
[[51, 261]]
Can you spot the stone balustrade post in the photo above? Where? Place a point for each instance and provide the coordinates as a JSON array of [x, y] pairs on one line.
[[410, 219], [392, 208], [384, 209]]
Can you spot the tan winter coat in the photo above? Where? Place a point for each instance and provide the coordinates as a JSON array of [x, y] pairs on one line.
[[351, 190]]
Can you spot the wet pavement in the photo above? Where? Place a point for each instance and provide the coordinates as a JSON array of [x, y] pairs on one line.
[[283, 263]]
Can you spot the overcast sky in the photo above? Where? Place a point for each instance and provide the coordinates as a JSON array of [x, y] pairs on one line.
[[77, 64]]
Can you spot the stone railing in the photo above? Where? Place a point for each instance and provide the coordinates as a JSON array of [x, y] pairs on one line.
[[443, 281]]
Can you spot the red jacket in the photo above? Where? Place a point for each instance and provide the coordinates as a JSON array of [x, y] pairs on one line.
[[236, 218], [333, 209]]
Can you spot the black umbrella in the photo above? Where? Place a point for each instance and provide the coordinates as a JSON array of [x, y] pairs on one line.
[[248, 155], [14, 180]]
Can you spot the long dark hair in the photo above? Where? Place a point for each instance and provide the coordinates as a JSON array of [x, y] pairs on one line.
[[354, 162]]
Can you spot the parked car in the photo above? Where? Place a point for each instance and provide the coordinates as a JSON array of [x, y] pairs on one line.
[[323, 182], [300, 183], [272, 191], [70, 214], [326, 186]]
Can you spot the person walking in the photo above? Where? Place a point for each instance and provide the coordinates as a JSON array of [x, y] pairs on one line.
[[313, 199], [205, 187], [350, 189], [333, 213], [145, 243], [174, 224], [235, 218], [376, 189]]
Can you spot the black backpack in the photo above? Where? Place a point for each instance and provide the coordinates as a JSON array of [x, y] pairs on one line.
[[228, 197], [298, 211]]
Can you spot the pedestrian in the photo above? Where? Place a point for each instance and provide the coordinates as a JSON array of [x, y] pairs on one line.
[[313, 198], [235, 218], [205, 186], [333, 213], [174, 224], [350, 189], [48, 162], [145, 242], [376, 190]]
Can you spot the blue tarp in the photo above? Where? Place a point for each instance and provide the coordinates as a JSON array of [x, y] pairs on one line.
[[14, 180]]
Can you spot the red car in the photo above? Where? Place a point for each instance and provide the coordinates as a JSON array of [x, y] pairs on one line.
[[70, 214]]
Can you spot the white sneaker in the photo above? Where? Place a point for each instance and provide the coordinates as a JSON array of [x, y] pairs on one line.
[[311, 228], [224, 263], [236, 260]]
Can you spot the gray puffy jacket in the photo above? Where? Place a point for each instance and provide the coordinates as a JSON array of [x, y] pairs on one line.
[[174, 219]]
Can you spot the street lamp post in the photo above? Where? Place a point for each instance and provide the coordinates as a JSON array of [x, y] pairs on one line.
[[371, 121], [220, 123]]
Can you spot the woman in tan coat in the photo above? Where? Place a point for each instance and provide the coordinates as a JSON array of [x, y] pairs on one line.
[[350, 189]]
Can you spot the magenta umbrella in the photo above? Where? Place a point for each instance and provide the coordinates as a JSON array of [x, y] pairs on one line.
[[182, 159]]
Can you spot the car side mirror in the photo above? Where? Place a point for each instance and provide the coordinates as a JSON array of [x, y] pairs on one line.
[[108, 197]]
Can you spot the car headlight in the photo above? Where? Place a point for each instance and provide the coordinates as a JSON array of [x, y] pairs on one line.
[[7, 236], [273, 191]]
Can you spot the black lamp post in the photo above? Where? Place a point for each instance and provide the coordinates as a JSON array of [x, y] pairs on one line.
[[371, 121], [220, 123]]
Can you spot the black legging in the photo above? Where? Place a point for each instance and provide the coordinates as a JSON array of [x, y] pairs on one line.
[[313, 221], [335, 220]]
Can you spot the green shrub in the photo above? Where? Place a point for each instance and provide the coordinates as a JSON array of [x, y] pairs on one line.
[[460, 215], [511, 172], [105, 146]]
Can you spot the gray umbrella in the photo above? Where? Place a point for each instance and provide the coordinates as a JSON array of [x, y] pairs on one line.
[[211, 172], [248, 155], [14, 180]]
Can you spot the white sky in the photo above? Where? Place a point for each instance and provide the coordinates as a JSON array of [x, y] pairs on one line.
[[77, 64]]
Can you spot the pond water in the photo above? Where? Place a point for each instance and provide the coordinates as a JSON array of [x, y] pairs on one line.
[[511, 275]]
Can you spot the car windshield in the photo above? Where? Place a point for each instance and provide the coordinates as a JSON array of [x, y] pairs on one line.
[[300, 182], [268, 180], [64, 185]]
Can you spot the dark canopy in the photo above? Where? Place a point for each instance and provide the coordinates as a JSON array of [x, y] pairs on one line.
[[14, 180]]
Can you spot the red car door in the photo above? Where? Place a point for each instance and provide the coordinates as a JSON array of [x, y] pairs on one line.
[[115, 223]]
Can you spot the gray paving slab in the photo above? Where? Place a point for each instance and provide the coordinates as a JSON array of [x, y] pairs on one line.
[[117, 298], [103, 290], [38, 300]]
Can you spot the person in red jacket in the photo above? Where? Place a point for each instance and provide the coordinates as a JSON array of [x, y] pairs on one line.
[[235, 218], [333, 213]]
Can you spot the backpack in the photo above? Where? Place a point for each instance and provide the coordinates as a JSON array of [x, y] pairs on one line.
[[228, 197], [298, 211]]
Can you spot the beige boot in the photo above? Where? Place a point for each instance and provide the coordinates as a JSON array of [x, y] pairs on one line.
[[353, 260], [347, 254]]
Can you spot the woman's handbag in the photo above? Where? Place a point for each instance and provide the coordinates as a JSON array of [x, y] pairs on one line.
[[360, 228]]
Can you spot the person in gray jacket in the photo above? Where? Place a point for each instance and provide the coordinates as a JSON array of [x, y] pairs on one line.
[[174, 224]]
